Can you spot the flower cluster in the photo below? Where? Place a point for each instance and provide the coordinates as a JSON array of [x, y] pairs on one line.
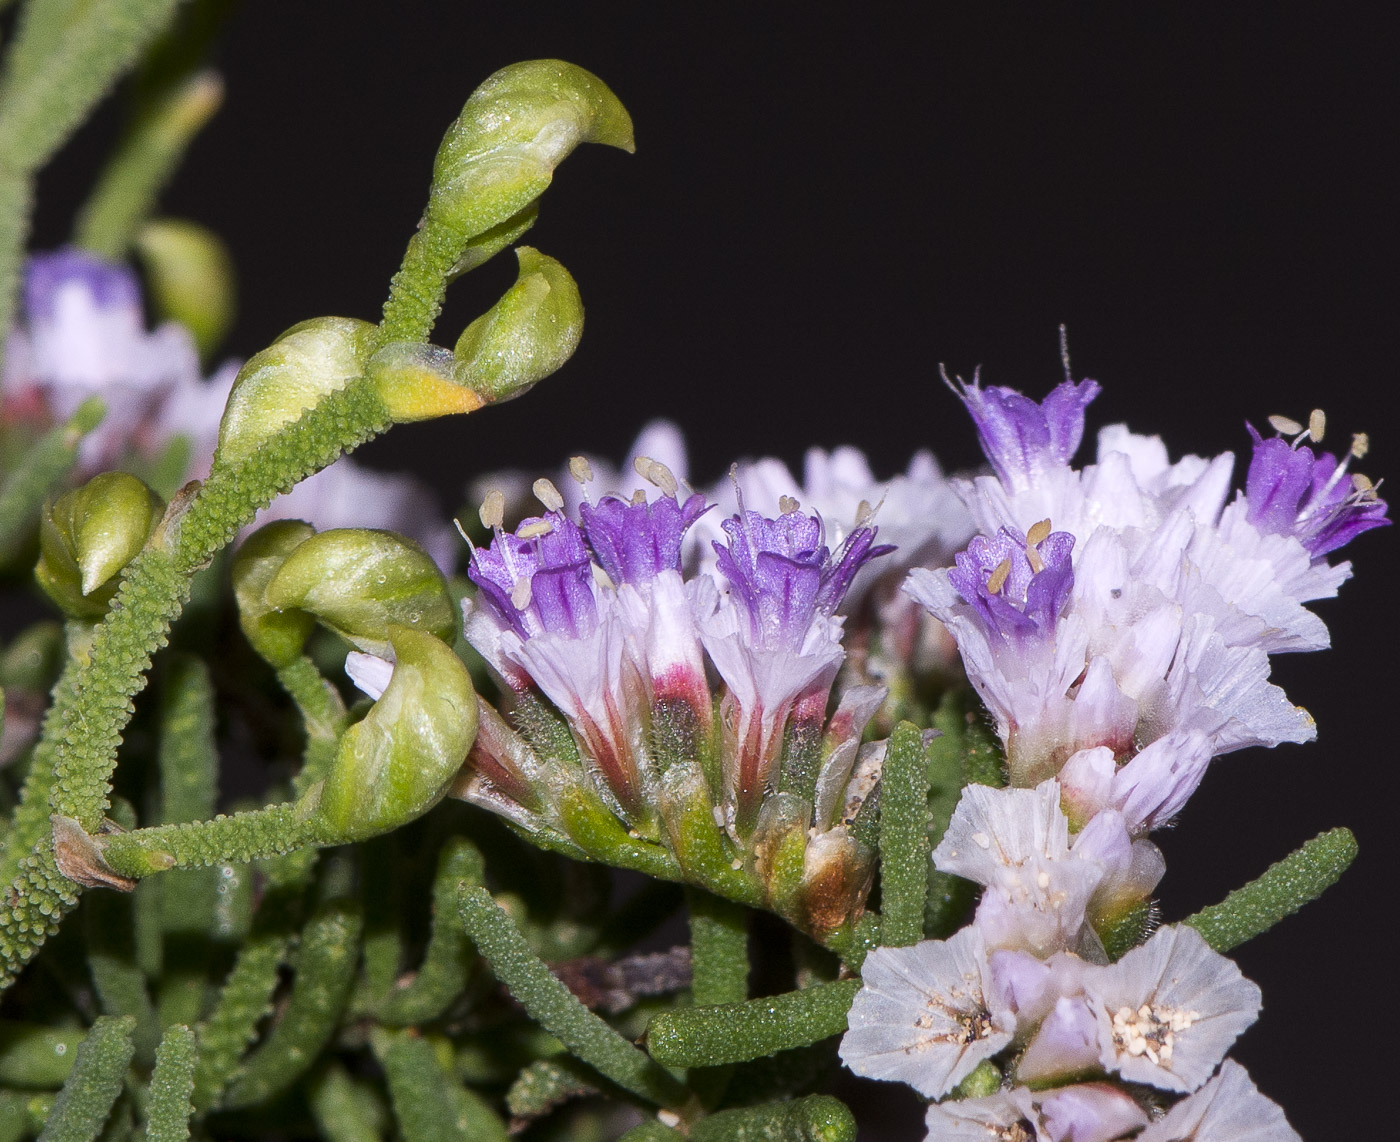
[[617, 740], [1117, 621]]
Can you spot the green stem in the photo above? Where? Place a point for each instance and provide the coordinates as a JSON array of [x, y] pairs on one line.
[[904, 840], [36, 472], [253, 835], [417, 290]]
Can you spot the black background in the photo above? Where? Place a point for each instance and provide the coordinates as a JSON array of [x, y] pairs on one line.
[[820, 211]]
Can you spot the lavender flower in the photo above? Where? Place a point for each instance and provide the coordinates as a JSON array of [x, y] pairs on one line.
[[1229, 1108], [923, 1016]]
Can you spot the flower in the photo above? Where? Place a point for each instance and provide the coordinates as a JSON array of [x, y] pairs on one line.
[[83, 334], [1229, 1108], [923, 1016]]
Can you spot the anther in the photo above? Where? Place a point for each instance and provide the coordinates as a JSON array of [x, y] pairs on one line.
[[601, 578], [580, 469], [520, 594], [999, 576], [1285, 425], [493, 509], [1360, 444], [535, 529], [639, 497], [1317, 425], [547, 494], [863, 512], [1038, 533], [1361, 484], [655, 472], [787, 505]]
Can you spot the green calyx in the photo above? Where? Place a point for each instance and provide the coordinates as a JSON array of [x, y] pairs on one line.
[[526, 335], [89, 535], [276, 635], [500, 153], [363, 583], [398, 762], [295, 373]]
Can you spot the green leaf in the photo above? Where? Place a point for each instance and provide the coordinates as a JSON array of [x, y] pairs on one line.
[[738, 1032], [34, 473], [429, 1104], [555, 1008], [325, 969], [345, 1110], [1302, 876], [82, 1105], [168, 1107], [719, 951], [904, 837], [32, 1055], [817, 1118]]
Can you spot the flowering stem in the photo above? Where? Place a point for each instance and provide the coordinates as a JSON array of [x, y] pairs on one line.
[[254, 835], [1302, 876]]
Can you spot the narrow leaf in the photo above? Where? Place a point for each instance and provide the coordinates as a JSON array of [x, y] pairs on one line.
[[431, 1105], [738, 1032], [1302, 876], [168, 1107], [904, 839], [817, 1118], [343, 1109], [87, 1097], [555, 1008], [719, 952]]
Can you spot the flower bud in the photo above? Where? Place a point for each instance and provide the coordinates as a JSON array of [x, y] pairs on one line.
[[89, 535], [419, 382], [526, 335], [398, 762], [363, 583], [500, 153], [293, 374], [191, 278], [276, 635]]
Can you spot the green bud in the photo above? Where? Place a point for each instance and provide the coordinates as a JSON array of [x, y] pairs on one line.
[[398, 762], [419, 382], [526, 335], [191, 278], [364, 583], [276, 635], [500, 153], [294, 373], [89, 535]]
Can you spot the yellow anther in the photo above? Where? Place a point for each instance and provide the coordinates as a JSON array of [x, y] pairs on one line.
[[547, 494], [787, 505], [580, 469], [1360, 444], [493, 509], [1317, 424], [1038, 533], [639, 497], [1285, 425], [655, 472], [535, 530], [602, 578], [1361, 484], [863, 512], [999, 576]]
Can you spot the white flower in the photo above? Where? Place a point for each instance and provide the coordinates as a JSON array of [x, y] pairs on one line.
[[1089, 1112], [1002, 1117], [1169, 1010], [922, 1016], [1229, 1108], [1015, 842]]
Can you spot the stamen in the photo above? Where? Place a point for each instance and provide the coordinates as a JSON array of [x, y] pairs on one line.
[[520, 594], [999, 576], [1034, 559], [1362, 484], [536, 529], [1285, 426], [1360, 444], [547, 494], [1038, 533], [580, 469], [493, 509], [787, 505], [863, 512], [639, 497], [655, 472], [1317, 424]]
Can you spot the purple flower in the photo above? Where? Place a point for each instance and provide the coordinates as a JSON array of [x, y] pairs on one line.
[[784, 575], [636, 540], [538, 578], [109, 285], [1292, 491], [1021, 438], [1019, 589]]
